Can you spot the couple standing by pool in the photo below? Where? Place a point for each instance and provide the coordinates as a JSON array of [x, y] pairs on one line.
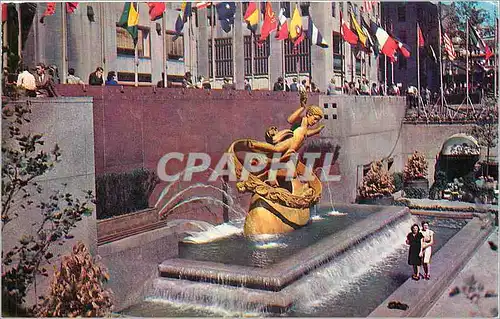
[[420, 242]]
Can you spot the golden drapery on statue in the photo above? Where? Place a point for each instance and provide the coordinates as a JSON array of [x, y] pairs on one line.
[[279, 204]]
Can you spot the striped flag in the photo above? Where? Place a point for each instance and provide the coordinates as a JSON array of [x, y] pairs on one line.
[[448, 47], [203, 5], [347, 33], [388, 45], [5, 13], [368, 5], [130, 20], [282, 34], [362, 36], [315, 36], [252, 17], [479, 43]]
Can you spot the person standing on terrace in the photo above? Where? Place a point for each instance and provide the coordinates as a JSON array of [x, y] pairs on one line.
[[427, 248], [415, 240], [72, 79], [95, 78]]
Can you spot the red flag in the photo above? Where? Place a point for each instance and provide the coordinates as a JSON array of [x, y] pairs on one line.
[[300, 38], [270, 23], [71, 7], [421, 42], [5, 13], [282, 34], [156, 10], [347, 33], [50, 10]]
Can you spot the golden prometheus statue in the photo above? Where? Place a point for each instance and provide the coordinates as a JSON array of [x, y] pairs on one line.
[[282, 197]]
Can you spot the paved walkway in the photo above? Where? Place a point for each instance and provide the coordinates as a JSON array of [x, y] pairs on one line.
[[484, 267]]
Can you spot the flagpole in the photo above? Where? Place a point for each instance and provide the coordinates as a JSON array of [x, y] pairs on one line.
[[103, 35], [495, 64], [467, 63], [19, 33], [64, 43], [418, 63], [251, 57], [212, 13], [136, 57], [190, 46], [440, 58], [164, 48]]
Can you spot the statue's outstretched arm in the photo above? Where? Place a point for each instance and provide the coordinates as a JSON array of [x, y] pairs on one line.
[[296, 115], [314, 131]]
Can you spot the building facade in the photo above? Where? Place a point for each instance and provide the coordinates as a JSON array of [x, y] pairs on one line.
[[400, 19], [93, 40]]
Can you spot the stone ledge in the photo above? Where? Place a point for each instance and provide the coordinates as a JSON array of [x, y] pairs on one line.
[[447, 262]]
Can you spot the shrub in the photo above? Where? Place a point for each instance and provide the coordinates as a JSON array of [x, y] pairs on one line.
[[398, 181], [123, 193], [377, 183], [77, 288], [415, 167]]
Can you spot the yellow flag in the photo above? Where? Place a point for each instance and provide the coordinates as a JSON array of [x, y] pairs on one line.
[[295, 24], [362, 36], [133, 17]]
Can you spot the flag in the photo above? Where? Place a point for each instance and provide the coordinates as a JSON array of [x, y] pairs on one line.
[[388, 45], [296, 30], [71, 7], [315, 36], [368, 5], [347, 33], [282, 34], [156, 10], [50, 10], [361, 35], [420, 36], [184, 14], [202, 5], [252, 17], [432, 54], [270, 23], [226, 12], [130, 19], [479, 43], [448, 47], [372, 40], [5, 12], [404, 49]]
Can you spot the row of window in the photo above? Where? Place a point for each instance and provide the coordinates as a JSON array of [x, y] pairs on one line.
[[256, 56]]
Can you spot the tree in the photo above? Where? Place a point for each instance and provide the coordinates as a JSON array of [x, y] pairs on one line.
[[487, 136], [458, 13], [22, 163]]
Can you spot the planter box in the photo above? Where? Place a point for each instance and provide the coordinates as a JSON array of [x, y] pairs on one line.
[[382, 201], [418, 188], [126, 222]]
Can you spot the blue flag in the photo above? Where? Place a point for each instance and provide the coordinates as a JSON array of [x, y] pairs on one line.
[[226, 12], [182, 18]]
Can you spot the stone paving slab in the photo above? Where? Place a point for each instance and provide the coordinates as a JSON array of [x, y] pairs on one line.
[[484, 267], [447, 262]]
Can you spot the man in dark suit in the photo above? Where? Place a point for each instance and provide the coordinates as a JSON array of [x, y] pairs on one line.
[[44, 84]]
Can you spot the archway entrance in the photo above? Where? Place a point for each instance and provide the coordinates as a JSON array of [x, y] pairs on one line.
[[458, 156]]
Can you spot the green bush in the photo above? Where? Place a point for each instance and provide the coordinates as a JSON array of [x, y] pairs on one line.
[[412, 192], [398, 181], [123, 193]]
